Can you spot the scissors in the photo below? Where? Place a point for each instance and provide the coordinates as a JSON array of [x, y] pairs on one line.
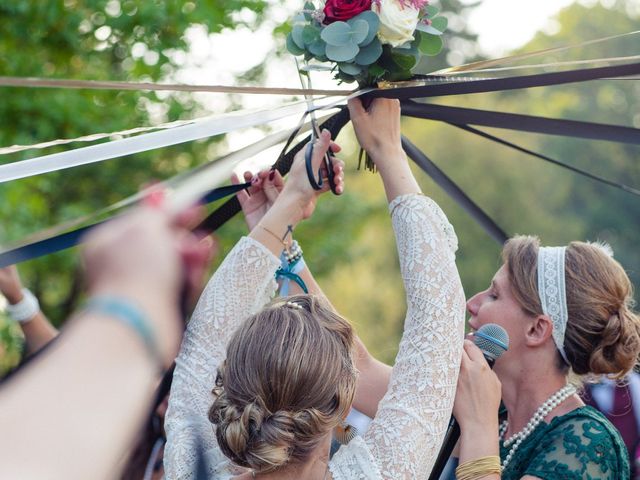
[[315, 133]]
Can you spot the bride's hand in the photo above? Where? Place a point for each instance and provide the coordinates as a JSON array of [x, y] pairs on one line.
[[378, 130], [255, 201], [298, 186]]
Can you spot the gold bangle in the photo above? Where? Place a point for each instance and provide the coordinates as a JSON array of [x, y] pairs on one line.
[[479, 468]]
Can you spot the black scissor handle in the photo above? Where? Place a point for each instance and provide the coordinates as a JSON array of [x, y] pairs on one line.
[[317, 184]]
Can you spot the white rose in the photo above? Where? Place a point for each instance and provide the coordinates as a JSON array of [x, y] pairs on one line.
[[398, 21]]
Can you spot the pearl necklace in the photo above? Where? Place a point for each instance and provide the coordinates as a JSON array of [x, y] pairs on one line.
[[543, 410]]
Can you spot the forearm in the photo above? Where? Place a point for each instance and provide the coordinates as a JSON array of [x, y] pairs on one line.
[[77, 407], [396, 175], [373, 380], [479, 441], [38, 332], [272, 230]]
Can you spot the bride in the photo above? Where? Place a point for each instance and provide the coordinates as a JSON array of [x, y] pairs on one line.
[[259, 387]]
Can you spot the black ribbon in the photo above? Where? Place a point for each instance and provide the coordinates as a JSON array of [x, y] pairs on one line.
[[460, 117], [74, 237], [522, 123], [506, 83], [455, 192]]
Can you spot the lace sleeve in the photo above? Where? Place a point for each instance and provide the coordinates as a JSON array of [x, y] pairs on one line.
[[409, 427], [243, 283]]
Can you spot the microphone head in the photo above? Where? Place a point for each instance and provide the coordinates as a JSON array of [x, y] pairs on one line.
[[492, 339]]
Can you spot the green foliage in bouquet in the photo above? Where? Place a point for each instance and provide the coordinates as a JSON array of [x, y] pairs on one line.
[[358, 48]]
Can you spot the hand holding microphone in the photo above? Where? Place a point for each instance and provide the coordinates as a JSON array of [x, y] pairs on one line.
[[479, 391]]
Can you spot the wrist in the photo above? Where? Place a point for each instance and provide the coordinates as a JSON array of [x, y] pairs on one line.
[[289, 208], [388, 157], [24, 309]]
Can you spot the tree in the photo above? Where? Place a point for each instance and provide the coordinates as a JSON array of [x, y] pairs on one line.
[[131, 40]]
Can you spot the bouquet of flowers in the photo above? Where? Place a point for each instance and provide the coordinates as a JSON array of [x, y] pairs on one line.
[[367, 41]]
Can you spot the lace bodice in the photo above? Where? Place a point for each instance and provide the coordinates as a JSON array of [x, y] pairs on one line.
[[579, 445], [404, 438]]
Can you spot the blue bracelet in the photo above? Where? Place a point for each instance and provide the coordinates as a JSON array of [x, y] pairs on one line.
[[131, 315], [290, 271]]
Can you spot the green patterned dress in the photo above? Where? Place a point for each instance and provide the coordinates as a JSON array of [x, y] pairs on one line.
[[581, 445]]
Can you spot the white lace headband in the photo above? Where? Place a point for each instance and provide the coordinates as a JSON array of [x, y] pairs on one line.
[[552, 292]]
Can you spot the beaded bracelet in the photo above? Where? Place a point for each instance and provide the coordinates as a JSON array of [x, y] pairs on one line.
[[131, 315], [25, 309], [478, 468], [291, 264]]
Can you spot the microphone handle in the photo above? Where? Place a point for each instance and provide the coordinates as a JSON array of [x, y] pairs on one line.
[[450, 440]]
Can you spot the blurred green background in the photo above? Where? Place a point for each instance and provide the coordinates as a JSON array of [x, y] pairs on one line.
[[349, 242]]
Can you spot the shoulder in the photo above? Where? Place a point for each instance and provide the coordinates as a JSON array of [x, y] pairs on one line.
[[580, 444]]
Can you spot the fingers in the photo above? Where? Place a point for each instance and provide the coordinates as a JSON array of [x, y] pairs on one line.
[[320, 148], [196, 256], [474, 353], [190, 218], [338, 178], [273, 185]]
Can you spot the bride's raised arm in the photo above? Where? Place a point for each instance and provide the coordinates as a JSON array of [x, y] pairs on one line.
[[405, 436]]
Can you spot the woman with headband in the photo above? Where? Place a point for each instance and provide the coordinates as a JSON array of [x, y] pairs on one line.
[[258, 390], [567, 311]]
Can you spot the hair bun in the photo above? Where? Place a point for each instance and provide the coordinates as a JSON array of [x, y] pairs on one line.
[[617, 351], [252, 437]]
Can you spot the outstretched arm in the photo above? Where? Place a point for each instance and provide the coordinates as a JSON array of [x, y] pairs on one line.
[[74, 410], [406, 433]]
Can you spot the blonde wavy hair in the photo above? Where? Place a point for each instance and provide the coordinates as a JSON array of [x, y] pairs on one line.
[[288, 379]]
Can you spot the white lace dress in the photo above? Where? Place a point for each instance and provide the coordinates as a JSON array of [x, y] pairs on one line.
[[405, 436]]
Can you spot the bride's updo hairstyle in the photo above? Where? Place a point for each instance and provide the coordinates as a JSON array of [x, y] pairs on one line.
[[603, 332], [288, 379]]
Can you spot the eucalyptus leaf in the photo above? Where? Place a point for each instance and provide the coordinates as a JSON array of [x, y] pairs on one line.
[[440, 23], [343, 53], [431, 11], [430, 44], [308, 7], [374, 24], [296, 35], [337, 34], [359, 31], [370, 53], [350, 68], [377, 70], [292, 47], [430, 29], [318, 48], [404, 62], [310, 34]]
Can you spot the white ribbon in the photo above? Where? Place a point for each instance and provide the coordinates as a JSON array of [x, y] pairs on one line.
[[96, 153]]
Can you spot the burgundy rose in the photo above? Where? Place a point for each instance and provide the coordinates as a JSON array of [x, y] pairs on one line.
[[342, 10]]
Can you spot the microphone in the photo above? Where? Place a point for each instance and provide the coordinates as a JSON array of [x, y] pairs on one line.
[[493, 340]]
